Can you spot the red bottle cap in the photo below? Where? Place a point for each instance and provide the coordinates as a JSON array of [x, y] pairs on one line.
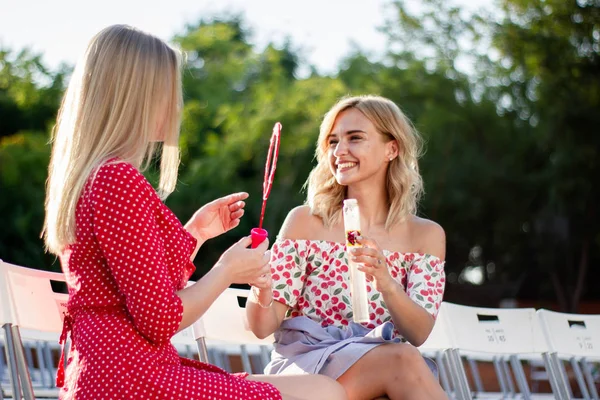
[[258, 235]]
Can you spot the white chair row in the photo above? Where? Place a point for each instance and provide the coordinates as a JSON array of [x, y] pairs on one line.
[[31, 312], [508, 337]]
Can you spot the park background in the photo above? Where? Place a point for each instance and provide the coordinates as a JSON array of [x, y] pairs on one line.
[[507, 97]]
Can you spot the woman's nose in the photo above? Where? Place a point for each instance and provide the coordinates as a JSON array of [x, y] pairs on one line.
[[340, 149]]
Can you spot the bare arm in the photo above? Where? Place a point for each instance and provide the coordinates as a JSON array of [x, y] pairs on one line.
[[264, 321], [412, 321], [238, 264], [200, 296]]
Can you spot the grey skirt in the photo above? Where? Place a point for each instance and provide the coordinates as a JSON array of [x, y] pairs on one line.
[[302, 346]]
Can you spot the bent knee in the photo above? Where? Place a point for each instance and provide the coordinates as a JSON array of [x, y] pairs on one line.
[[407, 354]]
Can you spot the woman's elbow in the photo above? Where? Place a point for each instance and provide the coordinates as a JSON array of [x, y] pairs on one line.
[[421, 336], [418, 340], [259, 329], [261, 334]]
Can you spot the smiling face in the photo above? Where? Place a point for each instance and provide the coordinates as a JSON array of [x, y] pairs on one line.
[[356, 150]]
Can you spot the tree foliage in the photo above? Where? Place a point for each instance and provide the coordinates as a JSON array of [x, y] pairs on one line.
[[507, 101]]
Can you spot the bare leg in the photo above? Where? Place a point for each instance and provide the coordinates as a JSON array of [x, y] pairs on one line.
[[304, 387], [397, 371]]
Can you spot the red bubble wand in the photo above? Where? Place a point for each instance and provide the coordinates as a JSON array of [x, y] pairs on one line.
[[259, 234]]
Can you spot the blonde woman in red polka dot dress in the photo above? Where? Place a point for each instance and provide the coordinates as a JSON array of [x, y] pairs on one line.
[[367, 150], [125, 255]]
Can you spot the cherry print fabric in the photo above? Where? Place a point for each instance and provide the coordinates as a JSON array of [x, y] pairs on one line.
[[312, 277], [130, 257]]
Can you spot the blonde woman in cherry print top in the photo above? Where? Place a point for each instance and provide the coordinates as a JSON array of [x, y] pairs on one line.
[[126, 256], [367, 150]]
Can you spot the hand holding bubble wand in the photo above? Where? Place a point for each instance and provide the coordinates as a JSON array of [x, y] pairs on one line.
[[259, 234]]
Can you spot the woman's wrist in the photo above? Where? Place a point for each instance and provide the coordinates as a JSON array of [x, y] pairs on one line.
[[257, 293], [194, 232], [391, 287]]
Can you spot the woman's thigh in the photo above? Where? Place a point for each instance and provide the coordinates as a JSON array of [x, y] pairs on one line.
[[384, 367], [304, 387]]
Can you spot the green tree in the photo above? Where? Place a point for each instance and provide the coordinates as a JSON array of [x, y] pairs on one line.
[[550, 53], [29, 98], [515, 162], [29, 93], [226, 136]]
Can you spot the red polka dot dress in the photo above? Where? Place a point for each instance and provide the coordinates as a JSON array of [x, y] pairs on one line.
[[130, 257]]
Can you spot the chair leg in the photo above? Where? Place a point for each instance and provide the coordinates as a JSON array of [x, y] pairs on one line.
[[265, 357], [520, 377], [2, 368], [509, 381], [554, 377], [476, 376], [590, 379], [22, 369], [579, 378], [11, 361], [245, 359], [225, 361], [462, 384], [49, 362], [500, 376], [440, 358], [454, 375], [560, 367], [202, 350], [453, 378], [29, 361], [39, 352]]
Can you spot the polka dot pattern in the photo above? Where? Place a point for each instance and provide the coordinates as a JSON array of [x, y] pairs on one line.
[[130, 257], [313, 278]]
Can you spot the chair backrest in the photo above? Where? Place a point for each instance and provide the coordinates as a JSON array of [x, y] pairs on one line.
[[571, 334], [34, 303], [494, 330], [6, 313], [439, 338], [184, 337], [226, 320]]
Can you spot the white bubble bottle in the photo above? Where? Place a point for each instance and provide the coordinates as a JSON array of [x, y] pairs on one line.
[[358, 284]]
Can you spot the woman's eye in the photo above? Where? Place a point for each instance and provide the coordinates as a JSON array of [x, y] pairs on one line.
[[333, 142], [355, 138]]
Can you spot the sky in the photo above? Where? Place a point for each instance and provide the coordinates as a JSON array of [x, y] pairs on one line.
[[323, 29]]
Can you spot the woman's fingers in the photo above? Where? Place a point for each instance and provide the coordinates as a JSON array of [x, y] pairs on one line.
[[368, 242], [238, 205], [366, 260], [237, 214], [366, 251]]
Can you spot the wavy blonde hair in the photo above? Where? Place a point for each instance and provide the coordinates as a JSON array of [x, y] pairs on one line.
[[404, 183], [113, 104]]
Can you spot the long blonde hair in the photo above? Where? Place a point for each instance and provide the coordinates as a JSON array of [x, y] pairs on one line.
[[112, 106], [404, 183]]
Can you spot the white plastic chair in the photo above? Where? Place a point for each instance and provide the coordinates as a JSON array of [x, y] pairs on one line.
[[38, 316], [574, 338], [497, 335], [225, 324], [6, 320], [184, 342], [439, 347]]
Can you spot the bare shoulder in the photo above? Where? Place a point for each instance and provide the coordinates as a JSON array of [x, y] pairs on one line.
[[300, 224], [430, 236]]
